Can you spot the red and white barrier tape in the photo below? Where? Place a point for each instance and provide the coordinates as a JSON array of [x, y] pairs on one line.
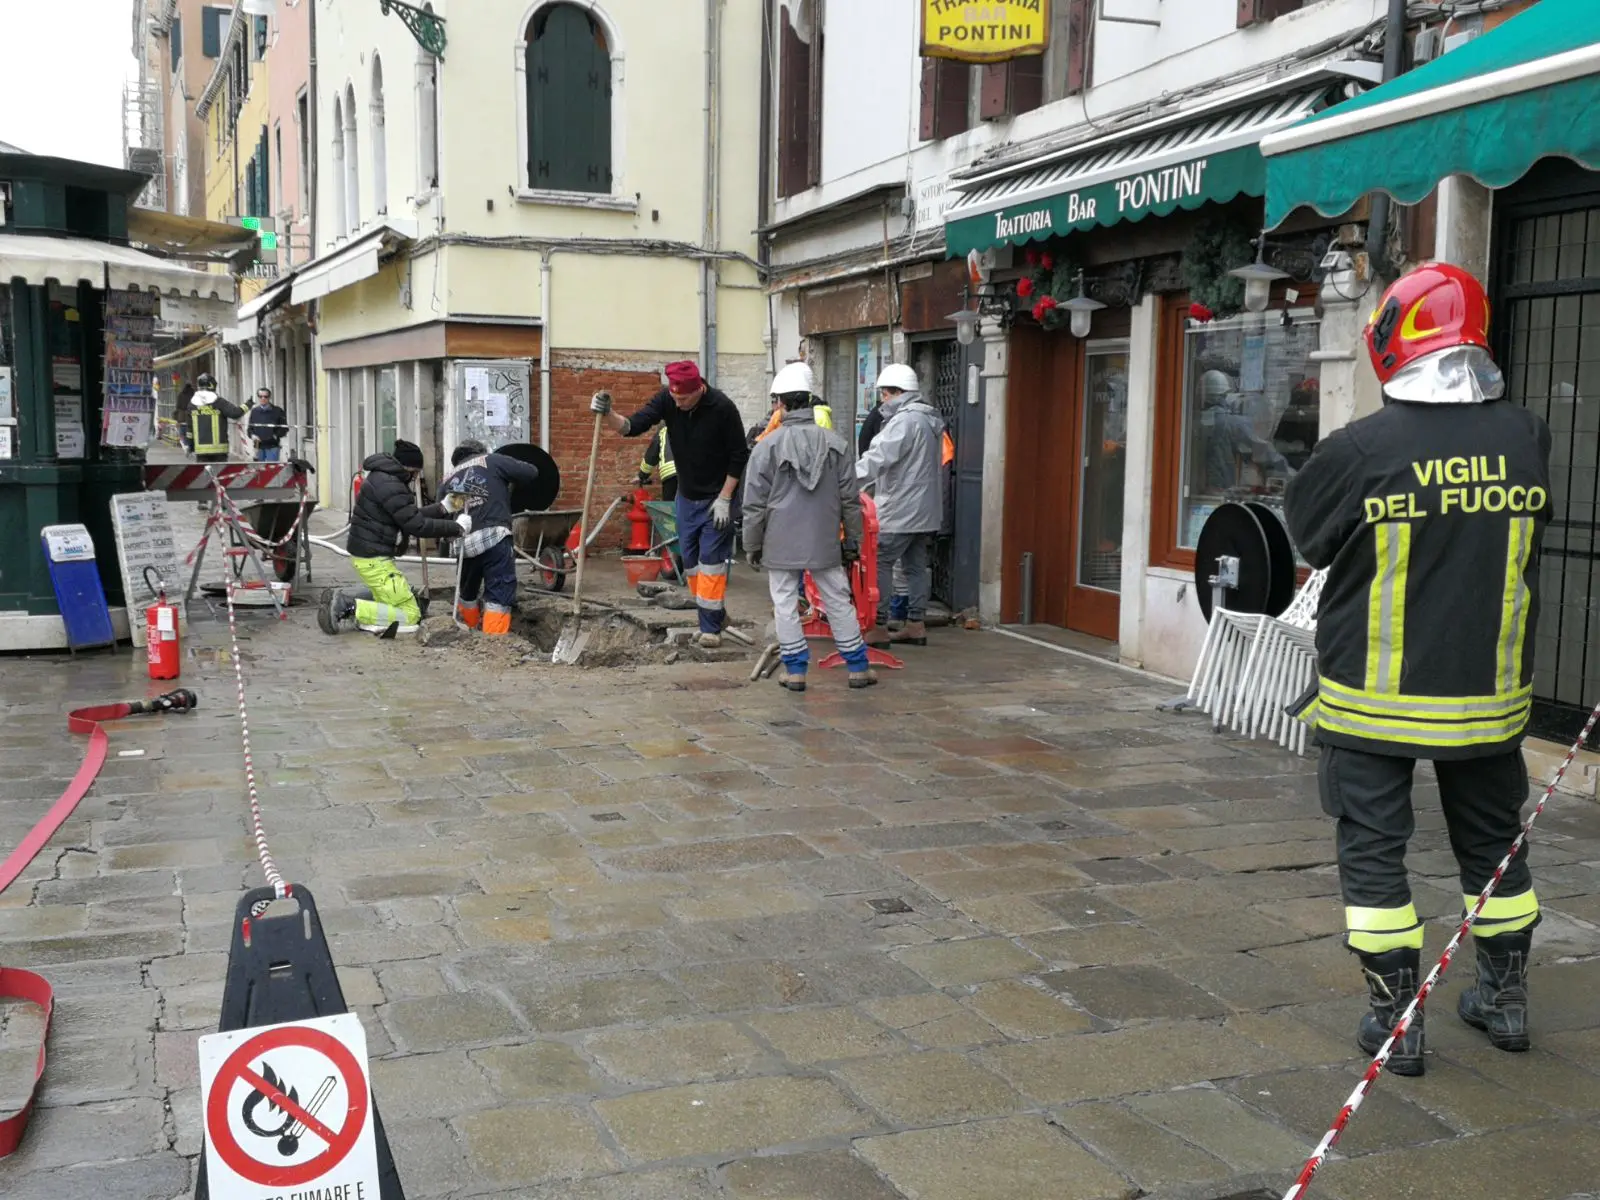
[[1386, 1051], [268, 866]]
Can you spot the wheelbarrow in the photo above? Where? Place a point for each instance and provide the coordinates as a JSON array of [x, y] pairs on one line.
[[664, 525], [549, 540]]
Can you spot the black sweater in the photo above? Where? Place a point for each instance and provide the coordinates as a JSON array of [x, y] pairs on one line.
[[708, 444], [386, 513]]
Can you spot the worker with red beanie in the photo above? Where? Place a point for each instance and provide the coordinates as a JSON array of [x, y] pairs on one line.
[[706, 434]]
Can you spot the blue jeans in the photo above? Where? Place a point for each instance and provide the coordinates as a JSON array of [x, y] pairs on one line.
[[706, 550], [268, 453]]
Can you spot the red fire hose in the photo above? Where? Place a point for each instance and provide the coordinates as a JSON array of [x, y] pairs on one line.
[[17, 984]]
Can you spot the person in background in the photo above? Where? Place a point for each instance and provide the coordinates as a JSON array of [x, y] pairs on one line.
[[800, 374], [180, 416], [903, 466], [707, 437], [658, 461], [267, 426], [479, 486], [799, 489], [209, 415], [384, 519]]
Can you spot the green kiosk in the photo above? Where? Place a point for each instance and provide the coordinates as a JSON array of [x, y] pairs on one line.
[[78, 311]]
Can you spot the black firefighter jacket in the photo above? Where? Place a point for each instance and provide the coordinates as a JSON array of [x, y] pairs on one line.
[[1428, 518], [386, 513]]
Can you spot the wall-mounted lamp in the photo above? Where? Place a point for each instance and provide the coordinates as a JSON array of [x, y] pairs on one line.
[[1082, 309], [966, 320], [1258, 277]]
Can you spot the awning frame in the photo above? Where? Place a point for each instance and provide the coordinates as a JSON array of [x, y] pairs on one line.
[[348, 264], [37, 258]]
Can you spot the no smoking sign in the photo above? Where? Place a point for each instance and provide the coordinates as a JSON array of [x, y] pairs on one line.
[[288, 1112]]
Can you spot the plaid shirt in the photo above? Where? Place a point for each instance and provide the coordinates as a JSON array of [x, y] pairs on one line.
[[481, 540]]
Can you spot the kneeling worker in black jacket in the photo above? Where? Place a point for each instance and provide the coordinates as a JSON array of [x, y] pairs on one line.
[[479, 486], [385, 517], [1428, 516]]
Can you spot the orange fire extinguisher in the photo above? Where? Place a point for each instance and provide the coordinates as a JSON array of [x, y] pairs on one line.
[[161, 630]]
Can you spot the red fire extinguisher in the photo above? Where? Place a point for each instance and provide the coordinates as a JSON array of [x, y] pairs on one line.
[[161, 630], [639, 519]]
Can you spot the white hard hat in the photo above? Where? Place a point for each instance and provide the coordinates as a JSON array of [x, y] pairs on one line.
[[793, 377], [1214, 387], [898, 375]]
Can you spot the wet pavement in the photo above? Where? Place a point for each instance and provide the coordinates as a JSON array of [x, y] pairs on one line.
[[996, 928]]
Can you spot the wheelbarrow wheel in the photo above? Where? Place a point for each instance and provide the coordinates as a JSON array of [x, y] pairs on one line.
[[286, 561], [552, 568]]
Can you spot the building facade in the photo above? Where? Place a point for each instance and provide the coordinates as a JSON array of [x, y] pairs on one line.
[[1119, 168], [563, 201]]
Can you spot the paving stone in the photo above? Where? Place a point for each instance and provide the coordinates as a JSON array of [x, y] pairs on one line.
[[1247, 982], [1023, 1011], [91, 947], [430, 1085], [1217, 1123], [101, 1069], [823, 1175], [590, 1003], [153, 1177], [1538, 1074], [923, 837], [717, 856], [442, 1022], [536, 1070], [920, 1089], [727, 1118], [1542, 1162], [816, 1035], [1147, 1154], [683, 1183], [676, 1053], [1094, 1066], [1305, 1101], [1133, 993], [90, 1133], [1011, 916], [1300, 1043], [974, 960], [1099, 945], [533, 1145], [410, 980], [792, 934], [1021, 1158]]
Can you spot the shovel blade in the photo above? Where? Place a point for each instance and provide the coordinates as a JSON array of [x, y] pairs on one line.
[[569, 646]]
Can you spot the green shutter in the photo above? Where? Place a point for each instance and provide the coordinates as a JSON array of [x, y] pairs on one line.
[[569, 104]]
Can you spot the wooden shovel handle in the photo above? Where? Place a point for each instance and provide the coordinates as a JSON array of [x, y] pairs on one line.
[[588, 496]]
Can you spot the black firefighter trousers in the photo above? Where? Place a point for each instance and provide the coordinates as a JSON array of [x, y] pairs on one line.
[[1370, 796]]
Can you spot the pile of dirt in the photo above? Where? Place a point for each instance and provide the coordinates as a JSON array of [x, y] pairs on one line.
[[613, 641]]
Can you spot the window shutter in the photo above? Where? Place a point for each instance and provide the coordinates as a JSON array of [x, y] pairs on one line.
[[211, 31], [930, 96], [569, 104], [177, 41], [814, 95], [953, 90], [1080, 70], [994, 91], [1255, 12], [794, 109]]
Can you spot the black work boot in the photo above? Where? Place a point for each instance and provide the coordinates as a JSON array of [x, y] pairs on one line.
[[1498, 1003], [1392, 980]]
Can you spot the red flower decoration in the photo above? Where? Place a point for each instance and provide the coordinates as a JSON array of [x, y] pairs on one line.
[[1199, 312], [1038, 311], [1024, 287], [1047, 262], [1031, 257], [1048, 303]]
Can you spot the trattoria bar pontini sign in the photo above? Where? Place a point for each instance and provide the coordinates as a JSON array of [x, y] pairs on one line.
[[1158, 191], [986, 31]]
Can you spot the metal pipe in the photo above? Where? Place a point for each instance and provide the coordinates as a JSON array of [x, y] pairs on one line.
[[764, 181], [1027, 587], [708, 297], [1394, 61], [544, 347]]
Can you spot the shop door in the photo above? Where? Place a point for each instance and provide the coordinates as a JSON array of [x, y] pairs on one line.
[[943, 365], [1548, 334], [1063, 494]]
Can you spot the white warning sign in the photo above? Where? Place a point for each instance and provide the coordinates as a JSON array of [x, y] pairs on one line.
[[288, 1112]]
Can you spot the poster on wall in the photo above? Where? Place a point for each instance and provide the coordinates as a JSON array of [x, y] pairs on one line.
[[128, 414], [69, 425], [497, 410], [5, 442], [8, 411]]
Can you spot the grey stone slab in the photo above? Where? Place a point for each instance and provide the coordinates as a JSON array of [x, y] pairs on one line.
[[442, 1022], [159, 1176], [596, 1001], [822, 1175]]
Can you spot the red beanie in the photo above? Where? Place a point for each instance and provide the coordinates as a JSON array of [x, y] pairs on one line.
[[684, 377]]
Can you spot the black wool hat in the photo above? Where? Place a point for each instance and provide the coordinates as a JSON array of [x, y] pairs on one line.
[[408, 454]]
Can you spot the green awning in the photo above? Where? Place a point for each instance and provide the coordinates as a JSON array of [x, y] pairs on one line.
[[1125, 177], [1527, 90]]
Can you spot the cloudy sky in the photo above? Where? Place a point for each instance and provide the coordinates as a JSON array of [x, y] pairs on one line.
[[62, 67]]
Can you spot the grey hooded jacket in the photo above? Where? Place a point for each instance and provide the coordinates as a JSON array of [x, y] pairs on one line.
[[903, 464], [798, 489]]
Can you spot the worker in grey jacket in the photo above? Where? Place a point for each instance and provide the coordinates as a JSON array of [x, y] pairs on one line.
[[903, 467], [798, 491]]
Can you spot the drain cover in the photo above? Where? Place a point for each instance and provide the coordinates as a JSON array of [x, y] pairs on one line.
[[890, 904]]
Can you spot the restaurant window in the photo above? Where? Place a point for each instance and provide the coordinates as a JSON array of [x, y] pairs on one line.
[[1241, 412]]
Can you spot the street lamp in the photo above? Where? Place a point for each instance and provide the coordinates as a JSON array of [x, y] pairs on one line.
[[1082, 309], [966, 323], [1258, 278]]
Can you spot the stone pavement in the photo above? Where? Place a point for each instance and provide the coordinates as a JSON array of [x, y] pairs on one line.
[[994, 930]]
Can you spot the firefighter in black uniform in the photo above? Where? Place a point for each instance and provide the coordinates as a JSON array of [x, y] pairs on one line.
[[1428, 516]]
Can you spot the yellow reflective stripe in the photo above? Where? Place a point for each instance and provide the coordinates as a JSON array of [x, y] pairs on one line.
[[666, 466], [1380, 920], [1423, 707], [1422, 733], [1504, 914], [1514, 605], [1382, 943], [1386, 607]]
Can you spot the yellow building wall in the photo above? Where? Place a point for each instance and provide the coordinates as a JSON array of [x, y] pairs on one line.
[[374, 305], [225, 166]]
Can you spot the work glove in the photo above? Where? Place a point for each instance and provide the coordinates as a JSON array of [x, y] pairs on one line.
[[644, 480], [755, 559], [464, 523], [849, 552], [721, 512], [600, 403]]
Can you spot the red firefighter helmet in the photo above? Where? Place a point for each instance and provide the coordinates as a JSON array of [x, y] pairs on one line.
[[1435, 307]]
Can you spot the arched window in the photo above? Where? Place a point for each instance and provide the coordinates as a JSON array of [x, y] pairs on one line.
[[380, 153], [352, 163], [341, 214], [569, 101]]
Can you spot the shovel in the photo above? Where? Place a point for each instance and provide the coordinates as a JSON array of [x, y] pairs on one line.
[[427, 586], [572, 641]]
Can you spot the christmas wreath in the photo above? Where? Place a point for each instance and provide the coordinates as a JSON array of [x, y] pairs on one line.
[[1051, 280], [1219, 244]]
